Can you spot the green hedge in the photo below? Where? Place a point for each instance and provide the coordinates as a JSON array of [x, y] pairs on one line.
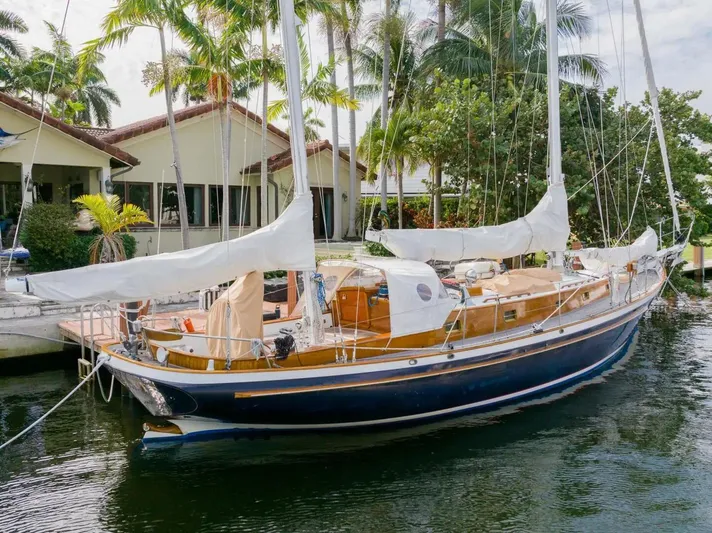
[[411, 207], [49, 235]]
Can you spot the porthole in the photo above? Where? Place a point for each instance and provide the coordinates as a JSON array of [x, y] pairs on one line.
[[510, 316]]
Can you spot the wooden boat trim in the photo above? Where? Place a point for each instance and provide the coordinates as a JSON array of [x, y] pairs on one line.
[[105, 347], [513, 357]]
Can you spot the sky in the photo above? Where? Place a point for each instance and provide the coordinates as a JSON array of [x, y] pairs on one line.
[[679, 35]]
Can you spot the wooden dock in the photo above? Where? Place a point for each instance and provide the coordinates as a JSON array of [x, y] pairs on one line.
[[105, 331]]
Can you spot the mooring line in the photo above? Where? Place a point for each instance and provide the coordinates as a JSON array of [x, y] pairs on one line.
[[40, 419]]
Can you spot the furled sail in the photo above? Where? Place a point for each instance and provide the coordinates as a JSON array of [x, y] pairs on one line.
[[605, 259], [546, 227], [285, 244]]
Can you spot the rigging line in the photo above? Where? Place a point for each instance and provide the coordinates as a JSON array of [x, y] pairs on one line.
[[492, 129], [640, 184], [514, 130], [609, 162], [34, 149], [591, 159], [391, 105], [406, 27], [34, 424], [245, 202], [318, 167], [367, 223]]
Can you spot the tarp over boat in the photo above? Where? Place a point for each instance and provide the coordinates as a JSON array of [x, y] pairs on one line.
[[285, 244], [546, 227], [605, 259], [417, 298], [244, 299]]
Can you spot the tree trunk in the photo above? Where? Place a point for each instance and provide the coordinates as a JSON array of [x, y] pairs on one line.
[[182, 209], [264, 213], [437, 197], [354, 193], [400, 197], [441, 20], [227, 132], [336, 203], [384, 99]]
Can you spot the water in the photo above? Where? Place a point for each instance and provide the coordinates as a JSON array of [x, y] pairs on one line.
[[630, 452]]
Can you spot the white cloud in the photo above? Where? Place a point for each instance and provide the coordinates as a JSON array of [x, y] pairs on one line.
[[679, 33]]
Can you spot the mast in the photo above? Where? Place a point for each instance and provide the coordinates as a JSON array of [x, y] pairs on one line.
[[653, 90], [556, 176], [312, 310]]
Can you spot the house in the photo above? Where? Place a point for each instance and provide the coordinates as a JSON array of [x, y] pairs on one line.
[[152, 185], [68, 162], [101, 159]]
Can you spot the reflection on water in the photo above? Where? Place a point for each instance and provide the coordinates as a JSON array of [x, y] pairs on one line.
[[632, 452]]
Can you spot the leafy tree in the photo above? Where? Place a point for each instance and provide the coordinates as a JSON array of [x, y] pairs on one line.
[[117, 27], [507, 38]]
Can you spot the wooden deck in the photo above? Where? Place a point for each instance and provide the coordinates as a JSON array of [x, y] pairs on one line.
[[105, 333]]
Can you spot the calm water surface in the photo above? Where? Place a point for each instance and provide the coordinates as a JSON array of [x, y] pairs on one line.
[[629, 452]]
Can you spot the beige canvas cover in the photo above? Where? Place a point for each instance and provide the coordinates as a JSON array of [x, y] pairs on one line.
[[539, 273], [513, 284], [245, 298]]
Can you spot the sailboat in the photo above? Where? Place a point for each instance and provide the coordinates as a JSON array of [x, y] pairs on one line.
[[376, 341]]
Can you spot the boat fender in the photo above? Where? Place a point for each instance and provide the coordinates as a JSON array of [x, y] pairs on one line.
[[283, 346]]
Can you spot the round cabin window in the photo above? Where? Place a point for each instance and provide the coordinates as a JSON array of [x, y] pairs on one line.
[[424, 292]]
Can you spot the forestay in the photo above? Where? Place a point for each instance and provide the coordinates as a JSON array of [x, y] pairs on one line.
[[285, 244], [605, 259], [546, 227], [418, 301]]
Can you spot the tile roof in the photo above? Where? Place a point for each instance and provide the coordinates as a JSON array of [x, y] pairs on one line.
[[156, 123], [100, 144], [284, 159]]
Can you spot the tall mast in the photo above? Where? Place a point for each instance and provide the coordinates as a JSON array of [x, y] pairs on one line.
[[312, 310], [556, 176], [552, 76], [653, 90]]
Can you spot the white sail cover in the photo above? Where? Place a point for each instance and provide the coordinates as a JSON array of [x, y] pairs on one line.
[[605, 259], [418, 301], [546, 227], [285, 244]]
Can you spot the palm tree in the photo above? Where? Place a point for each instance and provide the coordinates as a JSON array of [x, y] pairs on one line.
[[348, 22], [335, 160], [180, 64], [117, 27], [318, 90], [10, 22], [312, 123], [507, 38], [392, 148], [216, 39], [106, 212]]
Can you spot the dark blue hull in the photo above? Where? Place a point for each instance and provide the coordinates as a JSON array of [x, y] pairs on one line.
[[415, 393]]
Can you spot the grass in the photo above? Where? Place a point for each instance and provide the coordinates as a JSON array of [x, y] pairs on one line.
[[707, 240]]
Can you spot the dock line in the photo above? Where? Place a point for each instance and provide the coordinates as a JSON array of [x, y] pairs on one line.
[[21, 334], [29, 428]]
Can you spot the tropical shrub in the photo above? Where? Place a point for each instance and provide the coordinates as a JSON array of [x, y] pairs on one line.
[[49, 235], [107, 245]]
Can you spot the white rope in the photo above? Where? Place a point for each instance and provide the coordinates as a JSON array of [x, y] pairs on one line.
[[34, 150], [33, 336], [640, 184], [53, 409]]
